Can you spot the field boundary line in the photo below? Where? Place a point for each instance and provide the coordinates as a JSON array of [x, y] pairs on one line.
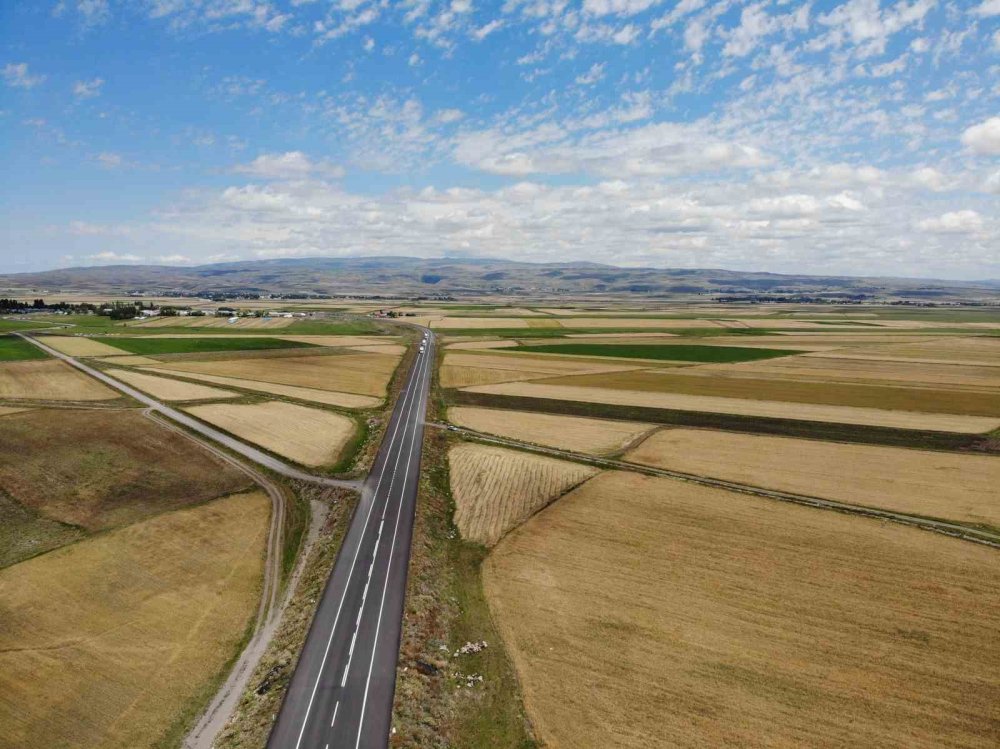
[[947, 528]]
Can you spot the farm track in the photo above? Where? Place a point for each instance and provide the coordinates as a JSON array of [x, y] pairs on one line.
[[982, 536]]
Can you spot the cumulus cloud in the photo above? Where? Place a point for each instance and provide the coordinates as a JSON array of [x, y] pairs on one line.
[[88, 89], [113, 257], [987, 9], [17, 75], [289, 165], [953, 222], [984, 138]]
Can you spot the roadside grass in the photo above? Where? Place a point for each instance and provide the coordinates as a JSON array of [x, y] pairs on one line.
[[872, 435], [154, 346], [664, 352], [13, 348]]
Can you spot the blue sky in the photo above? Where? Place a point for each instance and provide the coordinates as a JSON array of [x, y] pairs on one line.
[[858, 137]]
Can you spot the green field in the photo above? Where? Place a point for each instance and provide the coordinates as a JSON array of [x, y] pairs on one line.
[[661, 352], [21, 324], [17, 349], [154, 346]]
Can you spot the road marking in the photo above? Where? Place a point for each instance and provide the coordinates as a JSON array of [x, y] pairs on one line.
[[385, 588], [335, 709], [305, 720]]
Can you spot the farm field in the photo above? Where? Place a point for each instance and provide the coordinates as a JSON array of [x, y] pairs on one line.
[[940, 422], [664, 352], [100, 469], [216, 322], [13, 349], [496, 489], [328, 397], [593, 436], [637, 608], [49, 379], [743, 384], [362, 374], [107, 642], [962, 488], [309, 436], [983, 350], [169, 345], [168, 389], [78, 345]]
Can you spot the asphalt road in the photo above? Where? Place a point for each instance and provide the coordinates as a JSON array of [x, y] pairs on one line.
[[247, 451], [341, 692]]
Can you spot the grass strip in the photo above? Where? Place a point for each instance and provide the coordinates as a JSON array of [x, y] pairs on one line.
[[13, 348], [153, 346], [664, 352]]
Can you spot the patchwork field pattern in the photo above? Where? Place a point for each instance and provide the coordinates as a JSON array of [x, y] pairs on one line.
[[156, 345], [637, 608], [593, 436], [363, 374], [106, 642], [747, 407], [327, 397], [14, 349], [49, 379], [496, 489], [933, 484], [101, 469], [308, 436], [78, 346]]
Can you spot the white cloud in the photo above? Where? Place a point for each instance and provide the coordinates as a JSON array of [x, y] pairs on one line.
[[289, 165], [88, 89], [110, 160], [953, 222], [930, 178], [447, 116], [16, 74], [617, 7], [485, 30], [592, 76], [113, 257], [984, 138], [992, 183], [987, 9]]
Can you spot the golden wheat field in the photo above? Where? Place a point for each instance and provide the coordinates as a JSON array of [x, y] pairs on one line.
[[641, 611], [458, 377], [747, 407], [106, 642], [363, 374], [309, 436], [497, 489], [168, 389], [578, 434], [328, 397], [934, 484], [49, 379], [7, 410], [551, 364], [79, 346], [982, 350]]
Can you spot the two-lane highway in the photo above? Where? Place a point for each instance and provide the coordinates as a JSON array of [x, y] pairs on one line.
[[342, 689]]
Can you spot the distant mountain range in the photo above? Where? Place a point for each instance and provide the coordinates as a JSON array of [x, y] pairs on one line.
[[414, 277]]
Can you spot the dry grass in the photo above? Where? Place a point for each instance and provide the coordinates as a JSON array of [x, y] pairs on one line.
[[107, 642], [390, 349], [76, 346], [594, 436], [951, 350], [740, 383], [100, 469], [364, 374], [642, 612], [444, 323], [132, 361], [48, 379], [6, 410], [217, 322], [328, 397], [552, 364], [746, 407], [495, 489], [306, 435], [477, 345], [935, 484], [458, 377], [168, 389]]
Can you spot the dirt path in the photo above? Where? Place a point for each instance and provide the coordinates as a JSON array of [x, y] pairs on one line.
[[975, 534]]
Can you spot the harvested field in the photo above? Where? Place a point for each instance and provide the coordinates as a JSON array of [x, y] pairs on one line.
[[667, 352], [315, 340], [49, 379], [830, 367], [477, 345], [775, 409], [7, 410], [594, 436], [364, 374], [933, 484], [389, 349], [516, 362], [496, 490], [25, 533], [78, 345], [637, 608], [132, 361], [306, 435], [444, 323], [156, 345], [168, 389], [327, 397], [107, 642], [218, 322], [100, 469], [456, 377], [741, 383], [982, 350]]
